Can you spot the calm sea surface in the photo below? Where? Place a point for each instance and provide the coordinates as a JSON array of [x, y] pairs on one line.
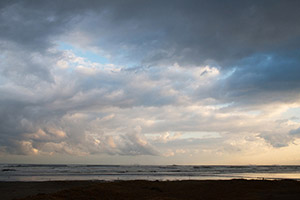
[[26, 172]]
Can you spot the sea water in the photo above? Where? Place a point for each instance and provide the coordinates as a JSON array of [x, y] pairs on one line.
[[33, 172]]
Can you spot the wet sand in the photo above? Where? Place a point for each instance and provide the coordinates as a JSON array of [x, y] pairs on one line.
[[159, 190]]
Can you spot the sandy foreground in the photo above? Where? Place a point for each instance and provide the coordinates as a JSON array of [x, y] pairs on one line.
[[214, 189]]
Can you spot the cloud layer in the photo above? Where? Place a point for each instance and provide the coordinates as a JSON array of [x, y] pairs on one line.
[[179, 81]]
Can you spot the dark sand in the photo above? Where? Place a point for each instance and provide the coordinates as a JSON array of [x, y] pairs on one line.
[[215, 189], [12, 190]]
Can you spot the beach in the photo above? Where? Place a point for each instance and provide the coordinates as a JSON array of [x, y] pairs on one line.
[[142, 189]]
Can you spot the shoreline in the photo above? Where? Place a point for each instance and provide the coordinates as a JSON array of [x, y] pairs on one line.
[[143, 189]]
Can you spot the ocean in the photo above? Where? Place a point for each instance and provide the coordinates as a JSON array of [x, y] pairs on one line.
[[34, 172]]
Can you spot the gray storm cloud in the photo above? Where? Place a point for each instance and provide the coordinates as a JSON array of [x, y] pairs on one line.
[[173, 66]]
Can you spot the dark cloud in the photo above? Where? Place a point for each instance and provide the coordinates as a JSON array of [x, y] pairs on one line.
[[277, 140], [187, 32], [262, 79], [295, 131], [195, 32]]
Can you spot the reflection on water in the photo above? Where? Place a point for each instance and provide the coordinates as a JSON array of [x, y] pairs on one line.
[[271, 176]]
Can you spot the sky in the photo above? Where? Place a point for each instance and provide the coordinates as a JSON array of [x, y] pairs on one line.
[[150, 82]]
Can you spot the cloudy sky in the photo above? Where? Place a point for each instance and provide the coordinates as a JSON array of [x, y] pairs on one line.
[[150, 82]]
